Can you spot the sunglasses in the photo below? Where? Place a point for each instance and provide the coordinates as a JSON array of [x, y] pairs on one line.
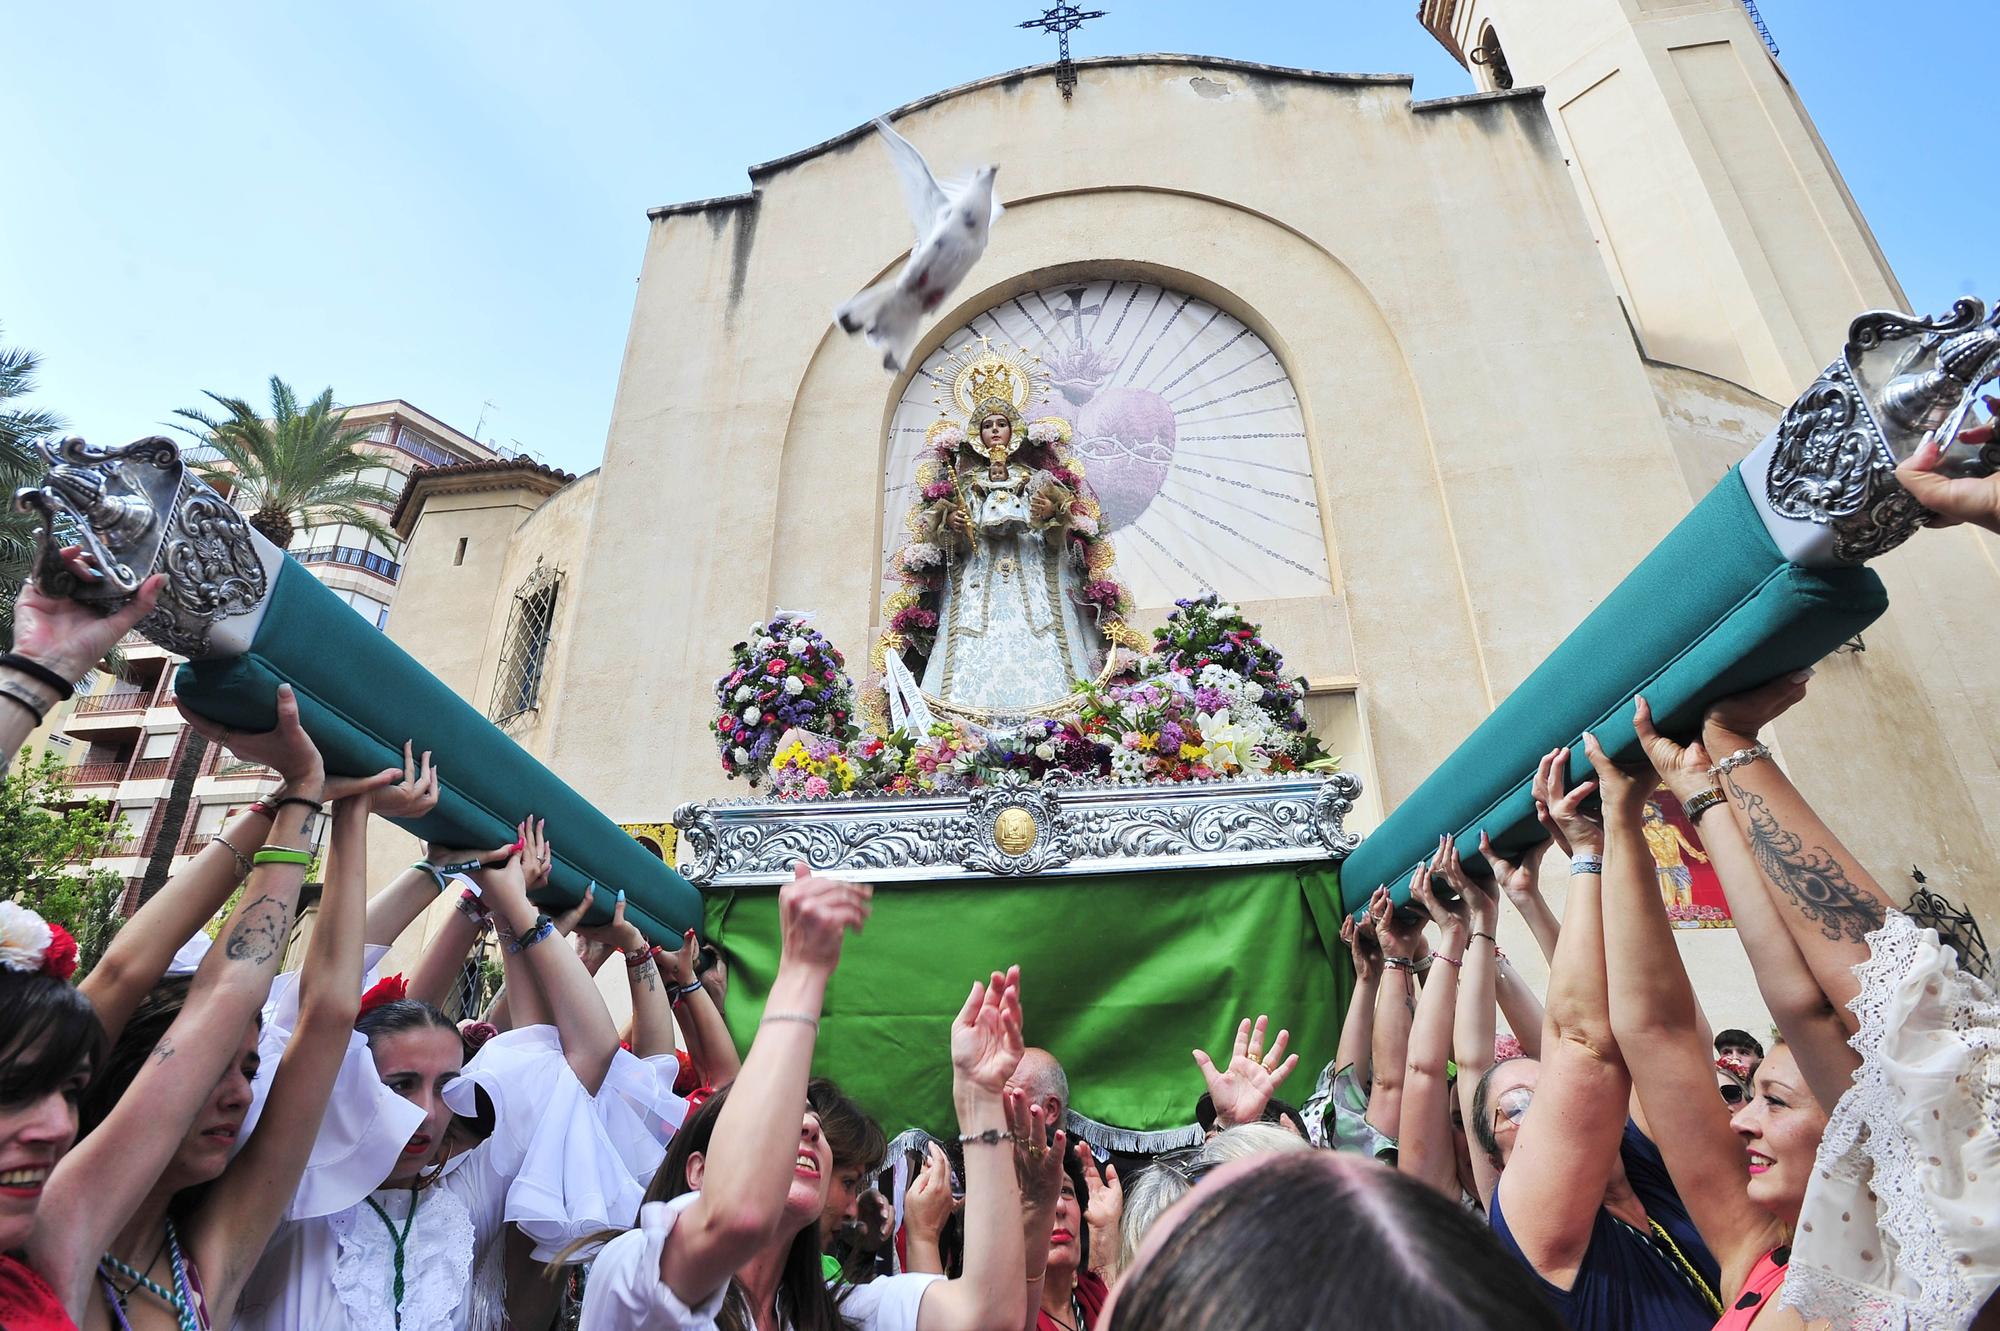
[[1732, 1094]]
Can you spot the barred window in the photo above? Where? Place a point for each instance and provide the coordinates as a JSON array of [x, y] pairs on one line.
[[525, 645]]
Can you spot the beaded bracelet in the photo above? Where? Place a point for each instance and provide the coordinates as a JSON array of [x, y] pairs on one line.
[[990, 1137], [1449, 961], [243, 865]]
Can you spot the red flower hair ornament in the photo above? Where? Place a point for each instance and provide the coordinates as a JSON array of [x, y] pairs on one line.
[[388, 989], [30, 945]]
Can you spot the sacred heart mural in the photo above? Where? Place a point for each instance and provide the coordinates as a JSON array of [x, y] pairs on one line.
[[1186, 426]]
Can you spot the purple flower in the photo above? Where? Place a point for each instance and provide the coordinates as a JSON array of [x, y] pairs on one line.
[[1171, 737]]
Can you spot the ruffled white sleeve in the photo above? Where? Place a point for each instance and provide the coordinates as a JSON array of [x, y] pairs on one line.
[[362, 1134], [625, 1289], [561, 1164], [1901, 1222]]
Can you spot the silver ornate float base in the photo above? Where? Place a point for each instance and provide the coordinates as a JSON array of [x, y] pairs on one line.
[[1026, 828]]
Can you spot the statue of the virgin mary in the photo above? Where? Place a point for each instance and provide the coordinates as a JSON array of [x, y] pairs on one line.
[[1008, 597]]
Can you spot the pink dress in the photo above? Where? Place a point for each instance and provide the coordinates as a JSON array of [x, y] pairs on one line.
[[1759, 1288]]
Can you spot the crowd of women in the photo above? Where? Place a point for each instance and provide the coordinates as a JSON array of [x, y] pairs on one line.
[[191, 1139]]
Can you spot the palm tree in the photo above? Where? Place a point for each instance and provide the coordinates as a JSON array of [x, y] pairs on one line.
[[18, 467], [298, 468]]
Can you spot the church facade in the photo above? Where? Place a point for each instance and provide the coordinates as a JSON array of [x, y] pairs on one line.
[[1413, 382]]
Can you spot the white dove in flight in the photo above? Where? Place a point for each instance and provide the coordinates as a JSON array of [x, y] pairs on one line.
[[953, 219]]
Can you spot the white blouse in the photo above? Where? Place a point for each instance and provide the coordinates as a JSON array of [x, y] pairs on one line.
[[550, 1166], [1901, 1221], [625, 1292]]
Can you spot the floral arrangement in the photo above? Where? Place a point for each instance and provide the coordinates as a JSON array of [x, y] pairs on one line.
[[1697, 916], [785, 676], [1206, 632], [30, 945]]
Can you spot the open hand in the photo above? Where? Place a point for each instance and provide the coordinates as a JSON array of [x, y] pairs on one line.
[[1974, 499], [1359, 935], [1683, 769], [1520, 880], [1451, 915], [68, 636], [537, 857], [986, 1043], [929, 1204], [1559, 807], [814, 915], [1038, 1164], [568, 921], [619, 932], [410, 792], [1241, 1089], [677, 968], [1400, 937], [1625, 789], [1103, 1206], [1734, 723], [285, 748]]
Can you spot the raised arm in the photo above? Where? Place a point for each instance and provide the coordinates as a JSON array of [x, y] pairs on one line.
[[747, 1169], [1831, 903], [443, 959], [1395, 1009], [1424, 1146], [243, 1207], [1653, 1008], [708, 1042], [98, 1183], [1357, 1030], [141, 952], [1473, 1027], [1567, 1146], [1797, 1004], [589, 1039], [1523, 1010], [57, 641], [1242, 1087], [986, 1047]]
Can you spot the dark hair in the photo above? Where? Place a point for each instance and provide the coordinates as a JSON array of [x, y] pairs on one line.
[[399, 1015], [143, 1032], [804, 1302], [1482, 1114], [1263, 1249], [1733, 1036], [852, 1136], [52, 1033]]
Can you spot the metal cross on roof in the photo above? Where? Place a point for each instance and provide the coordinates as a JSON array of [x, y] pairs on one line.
[[1062, 20]]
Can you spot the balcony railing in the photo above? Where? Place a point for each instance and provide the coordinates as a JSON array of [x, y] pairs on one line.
[[94, 774], [117, 700], [353, 557], [150, 769]]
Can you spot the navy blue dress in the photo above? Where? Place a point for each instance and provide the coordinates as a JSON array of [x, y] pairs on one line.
[[1625, 1282]]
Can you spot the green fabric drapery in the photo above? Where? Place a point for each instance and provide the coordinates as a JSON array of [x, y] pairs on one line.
[[1122, 976]]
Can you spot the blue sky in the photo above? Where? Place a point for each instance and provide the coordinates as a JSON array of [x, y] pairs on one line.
[[445, 201]]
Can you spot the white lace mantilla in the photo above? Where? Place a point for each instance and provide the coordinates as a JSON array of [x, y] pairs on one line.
[[437, 1262], [1901, 1224]]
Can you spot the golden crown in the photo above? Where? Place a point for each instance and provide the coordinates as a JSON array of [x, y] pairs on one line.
[[983, 371]]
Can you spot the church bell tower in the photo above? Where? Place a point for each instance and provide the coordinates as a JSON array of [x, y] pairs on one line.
[[1726, 227]]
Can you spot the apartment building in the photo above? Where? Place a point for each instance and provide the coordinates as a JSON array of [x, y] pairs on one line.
[[122, 736]]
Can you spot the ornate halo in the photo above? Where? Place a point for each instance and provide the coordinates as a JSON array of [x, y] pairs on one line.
[[982, 370]]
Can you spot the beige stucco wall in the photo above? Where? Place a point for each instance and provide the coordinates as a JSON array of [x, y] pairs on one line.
[[1493, 451], [1719, 213]]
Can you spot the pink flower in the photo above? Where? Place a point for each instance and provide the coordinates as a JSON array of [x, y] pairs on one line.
[[816, 788]]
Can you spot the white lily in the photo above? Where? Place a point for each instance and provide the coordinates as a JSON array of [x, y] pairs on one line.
[[1231, 746]]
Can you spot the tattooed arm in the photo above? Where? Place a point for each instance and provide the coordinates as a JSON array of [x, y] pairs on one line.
[[97, 1185], [1829, 902]]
